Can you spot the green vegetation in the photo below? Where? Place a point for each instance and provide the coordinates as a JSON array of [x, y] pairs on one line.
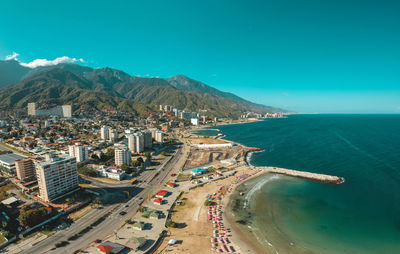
[[170, 224], [100, 90], [87, 171], [208, 203], [30, 217]]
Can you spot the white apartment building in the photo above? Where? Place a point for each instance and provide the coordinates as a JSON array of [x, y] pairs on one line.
[[56, 177], [159, 136], [104, 133], [80, 152], [112, 135], [194, 121], [122, 156], [132, 143]]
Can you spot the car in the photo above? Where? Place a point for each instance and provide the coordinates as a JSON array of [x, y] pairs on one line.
[[140, 198], [126, 205], [173, 174], [97, 241], [122, 213], [100, 207]]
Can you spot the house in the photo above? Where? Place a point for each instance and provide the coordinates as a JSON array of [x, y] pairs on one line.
[[157, 201], [170, 184], [161, 193], [110, 247], [10, 201], [138, 241]]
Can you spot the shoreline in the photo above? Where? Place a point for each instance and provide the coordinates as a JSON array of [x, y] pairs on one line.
[[244, 239]]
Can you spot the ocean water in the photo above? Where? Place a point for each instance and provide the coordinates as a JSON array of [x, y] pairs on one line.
[[290, 215]]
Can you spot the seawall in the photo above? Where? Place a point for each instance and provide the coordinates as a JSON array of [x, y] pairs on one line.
[[304, 174]]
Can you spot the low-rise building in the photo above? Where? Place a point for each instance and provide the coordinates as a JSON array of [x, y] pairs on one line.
[[7, 162]]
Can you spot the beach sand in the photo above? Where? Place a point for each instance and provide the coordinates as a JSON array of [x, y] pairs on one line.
[[196, 235]]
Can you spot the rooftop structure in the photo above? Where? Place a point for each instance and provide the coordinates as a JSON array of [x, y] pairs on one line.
[[7, 162]]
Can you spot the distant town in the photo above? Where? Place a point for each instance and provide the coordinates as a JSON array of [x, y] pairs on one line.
[[59, 170]]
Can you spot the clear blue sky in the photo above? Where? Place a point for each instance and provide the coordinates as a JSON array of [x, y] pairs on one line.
[[304, 55]]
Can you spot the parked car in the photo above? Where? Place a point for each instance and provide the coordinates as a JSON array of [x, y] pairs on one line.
[[122, 213]]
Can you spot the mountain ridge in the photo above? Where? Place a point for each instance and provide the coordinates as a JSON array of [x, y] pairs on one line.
[[179, 91]]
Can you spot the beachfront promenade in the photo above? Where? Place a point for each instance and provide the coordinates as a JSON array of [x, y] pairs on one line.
[[303, 174]]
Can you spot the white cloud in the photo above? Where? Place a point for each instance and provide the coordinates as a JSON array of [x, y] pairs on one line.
[[14, 56], [285, 94], [44, 62]]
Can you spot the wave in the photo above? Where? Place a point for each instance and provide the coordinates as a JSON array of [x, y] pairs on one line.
[[258, 186]]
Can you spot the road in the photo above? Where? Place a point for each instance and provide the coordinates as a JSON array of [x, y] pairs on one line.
[[114, 220]]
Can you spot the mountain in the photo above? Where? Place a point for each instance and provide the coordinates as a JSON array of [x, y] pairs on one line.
[[11, 72], [57, 86], [179, 91]]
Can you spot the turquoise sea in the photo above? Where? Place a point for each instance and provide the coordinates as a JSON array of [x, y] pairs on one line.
[[290, 215]]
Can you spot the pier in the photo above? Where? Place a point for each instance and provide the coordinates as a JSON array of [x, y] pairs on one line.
[[305, 175]]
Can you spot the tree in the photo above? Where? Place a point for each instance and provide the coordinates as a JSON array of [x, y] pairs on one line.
[[32, 217], [87, 171]]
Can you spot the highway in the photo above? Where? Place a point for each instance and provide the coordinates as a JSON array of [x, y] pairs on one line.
[[114, 220]]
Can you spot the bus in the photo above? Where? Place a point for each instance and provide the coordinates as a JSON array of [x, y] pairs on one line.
[[133, 180]]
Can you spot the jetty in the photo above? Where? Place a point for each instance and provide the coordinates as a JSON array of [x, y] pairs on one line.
[[304, 174]]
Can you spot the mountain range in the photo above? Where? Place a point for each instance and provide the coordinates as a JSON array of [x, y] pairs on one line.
[[107, 88]]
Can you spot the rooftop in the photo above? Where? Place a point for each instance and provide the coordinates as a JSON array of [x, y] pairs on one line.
[[10, 158]]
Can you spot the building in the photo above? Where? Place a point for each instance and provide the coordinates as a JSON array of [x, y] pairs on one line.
[[132, 143], [61, 111], [139, 142], [25, 169], [31, 109], [56, 177], [80, 152], [66, 111], [7, 162], [122, 156], [194, 121], [112, 135], [159, 137], [112, 173], [104, 133], [161, 194], [148, 139], [110, 247], [199, 171]]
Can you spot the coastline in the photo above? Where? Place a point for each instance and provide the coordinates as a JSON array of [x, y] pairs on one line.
[[244, 236]]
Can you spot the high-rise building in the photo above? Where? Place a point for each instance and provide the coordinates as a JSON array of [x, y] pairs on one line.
[[80, 152], [25, 169], [67, 111], [148, 139], [56, 177], [159, 137], [112, 135], [139, 142], [31, 109], [122, 156], [132, 143], [104, 133]]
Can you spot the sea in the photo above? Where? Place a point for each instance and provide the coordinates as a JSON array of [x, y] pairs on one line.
[[290, 215]]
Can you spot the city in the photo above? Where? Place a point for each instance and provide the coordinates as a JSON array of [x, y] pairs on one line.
[[70, 180]]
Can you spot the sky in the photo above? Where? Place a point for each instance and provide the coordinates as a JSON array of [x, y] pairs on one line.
[[339, 56]]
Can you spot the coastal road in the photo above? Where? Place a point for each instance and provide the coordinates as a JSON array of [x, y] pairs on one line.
[[114, 221]]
